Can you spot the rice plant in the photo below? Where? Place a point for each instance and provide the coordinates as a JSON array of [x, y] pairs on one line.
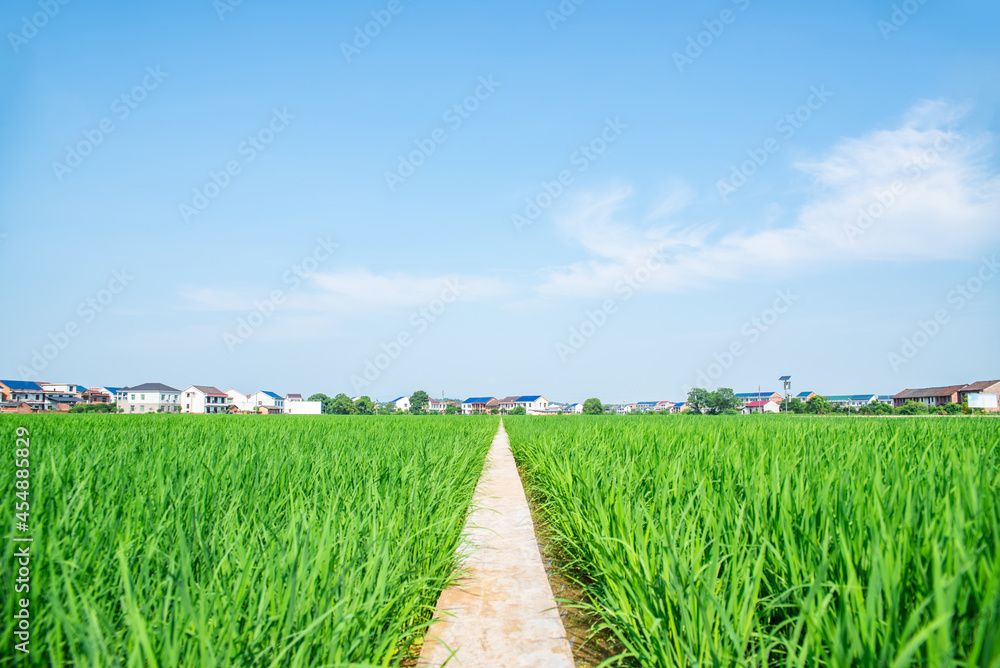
[[239, 540], [778, 542]]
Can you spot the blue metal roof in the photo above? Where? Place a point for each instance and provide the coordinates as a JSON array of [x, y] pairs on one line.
[[532, 397], [272, 394], [747, 395], [478, 400], [396, 399], [800, 395], [647, 403], [112, 390], [21, 385]]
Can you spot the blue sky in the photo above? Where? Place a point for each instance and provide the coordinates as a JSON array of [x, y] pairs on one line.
[[629, 199]]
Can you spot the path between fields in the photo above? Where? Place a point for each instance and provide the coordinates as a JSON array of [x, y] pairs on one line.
[[502, 612]]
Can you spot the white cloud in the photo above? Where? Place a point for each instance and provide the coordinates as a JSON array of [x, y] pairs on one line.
[[922, 191], [363, 289], [348, 292]]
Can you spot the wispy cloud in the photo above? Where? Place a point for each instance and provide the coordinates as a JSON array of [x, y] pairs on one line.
[[349, 292], [366, 290], [922, 191]]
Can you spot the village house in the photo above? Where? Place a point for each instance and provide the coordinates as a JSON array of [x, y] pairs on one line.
[[981, 387], [303, 407], [760, 407], [743, 398], [275, 403], [21, 396], [150, 398], [239, 402], [474, 405], [853, 401], [204, 399], [439, 406], [531, 402], [929, 396], [508, 402], [96, 395]]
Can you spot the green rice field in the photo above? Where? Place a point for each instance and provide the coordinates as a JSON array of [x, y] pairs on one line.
[[747, 541], [777, 541], [237, 540]]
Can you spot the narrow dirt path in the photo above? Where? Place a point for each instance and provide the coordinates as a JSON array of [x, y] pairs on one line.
[[501, 614]]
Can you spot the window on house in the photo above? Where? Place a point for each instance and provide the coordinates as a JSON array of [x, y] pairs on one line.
[[142, 397]]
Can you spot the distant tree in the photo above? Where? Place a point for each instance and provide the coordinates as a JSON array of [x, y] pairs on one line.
[[387, 409], [876, 408], [796, 406], [418, 402], [518, 410], [913, 408], [593, 406], [325, 401], [730, 411], [364, 406], [342, 405], [93, 408], [698, 400], [721, 400], [819, 406], [451, 409]]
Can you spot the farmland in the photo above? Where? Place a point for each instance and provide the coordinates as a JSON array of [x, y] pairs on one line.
[[181, 540], [798, 542]]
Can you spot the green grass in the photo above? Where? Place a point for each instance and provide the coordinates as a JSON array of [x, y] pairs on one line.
[[237, 541], [777, 541]]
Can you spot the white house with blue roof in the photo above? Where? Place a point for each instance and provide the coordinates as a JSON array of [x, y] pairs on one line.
[[268, 399], [474, 405], [532, 402], [852, 400], [15, 392]]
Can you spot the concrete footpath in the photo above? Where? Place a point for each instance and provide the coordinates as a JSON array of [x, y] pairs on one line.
[[501, 613]]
